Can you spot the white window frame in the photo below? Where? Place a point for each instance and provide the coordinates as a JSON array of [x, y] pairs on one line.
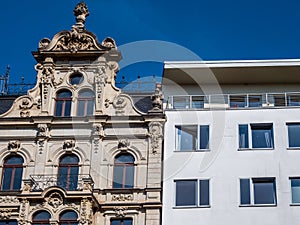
[[251, 183], [292, 203], [197, 194], [287, 135], [198, 149], [250, 143]]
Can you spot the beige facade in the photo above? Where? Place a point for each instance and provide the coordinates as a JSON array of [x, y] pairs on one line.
[[80, 146]]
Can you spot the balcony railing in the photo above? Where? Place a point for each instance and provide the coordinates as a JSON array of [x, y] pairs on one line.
[[67, 182], [234, 101]]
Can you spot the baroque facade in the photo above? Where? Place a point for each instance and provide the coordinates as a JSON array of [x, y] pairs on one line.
[[75, 149]]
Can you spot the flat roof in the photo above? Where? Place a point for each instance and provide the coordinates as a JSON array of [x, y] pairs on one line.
[[233, 71]]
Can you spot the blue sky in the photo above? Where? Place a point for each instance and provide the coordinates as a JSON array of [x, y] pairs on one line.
[[213, 30]]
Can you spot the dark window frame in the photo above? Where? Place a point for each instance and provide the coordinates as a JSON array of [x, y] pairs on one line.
[[14, 168], [65, 102], [87, 102], [68, 221], [125, 166], [45, 221], [68, 185]]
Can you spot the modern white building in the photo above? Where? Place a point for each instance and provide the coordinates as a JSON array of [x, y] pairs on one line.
[[232, 142]]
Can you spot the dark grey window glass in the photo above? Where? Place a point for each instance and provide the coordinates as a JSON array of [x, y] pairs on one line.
[[262, 135], [204, 137], [12, 173], [295, 184], [245, 191], [68, 172], [76, 78], [8, 222], [294, 134], [63, 103], [264, 191], [68, 218], [238, 101], [123, 171], [186, 192], [181, 102], [197, 102], [85, 103], [121, 222], [187, 138], [41, 218], [204, 192], [243, 136], [255, 100], [293, 100]]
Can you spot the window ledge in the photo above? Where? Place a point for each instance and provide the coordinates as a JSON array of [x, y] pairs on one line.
[[259, 205], [295, 204], [293, 148], [191, 207], [198, 150], [256, 149]]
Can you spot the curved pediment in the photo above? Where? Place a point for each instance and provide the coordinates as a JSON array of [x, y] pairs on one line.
[[75, 41]]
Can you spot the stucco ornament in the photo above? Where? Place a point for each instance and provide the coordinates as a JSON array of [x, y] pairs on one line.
[[69, 144], [119, 104], [120, 211], [155, 134], [55, 200], [14, 145], [122, 197], [5, 213], [157, 98]]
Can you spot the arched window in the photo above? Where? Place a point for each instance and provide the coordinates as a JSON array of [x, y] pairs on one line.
[[12, 173], [121, 222], [68, 172], [8, 222], [85, 103], [68, 218], [123, 171], [41, 218], [63, 103]]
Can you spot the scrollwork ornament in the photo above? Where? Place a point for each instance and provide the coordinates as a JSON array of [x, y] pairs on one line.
[[120, 211], [119, 104], [122, 197], [5, 213], [14, 145], [155, 134]]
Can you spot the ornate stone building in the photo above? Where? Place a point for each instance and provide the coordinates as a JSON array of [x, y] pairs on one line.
[[75, 149]]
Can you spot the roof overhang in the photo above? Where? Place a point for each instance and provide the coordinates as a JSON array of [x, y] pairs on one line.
[[282, 71]]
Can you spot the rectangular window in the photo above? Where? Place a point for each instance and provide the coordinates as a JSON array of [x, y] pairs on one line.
[[261, 136], [192, 193], [293, 100], [293, 135], [258, 191], [197, 102], [192, 137], [295, 188], [238, 101], [121, 222], [255, 100], [181, 102]]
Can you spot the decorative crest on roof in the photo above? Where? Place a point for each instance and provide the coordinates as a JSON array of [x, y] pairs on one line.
[[81, 12]]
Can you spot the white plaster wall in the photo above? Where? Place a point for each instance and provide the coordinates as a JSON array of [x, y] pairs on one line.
[[224, 165]]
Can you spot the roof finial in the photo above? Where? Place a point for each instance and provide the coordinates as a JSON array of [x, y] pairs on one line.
[[81, 12]]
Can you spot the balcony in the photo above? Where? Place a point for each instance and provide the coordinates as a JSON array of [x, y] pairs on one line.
[[233, 101], [68, 182]]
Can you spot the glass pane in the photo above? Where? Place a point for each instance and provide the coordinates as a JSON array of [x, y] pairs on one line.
[[62, 177], [127, 222], [14, 160], [18, 178], [86, 94], [279, 100], [69, 215], [245, 191], [124, 158], [204, 192], [76, 78], [80, 108], [181, 102], [73, 178], [186, 193], [262, 136], [255, 100], [294, 133], [295, 183], [294, 100], [118, 177], [129, 179], [264, 192], [243, 136], [6, 180], [69, 159], [90, 107], [67, 108], [43, 215], [204, 137], [197, 102], [237, 101], [186, 138], [58, 108], [64, 94], [116, 222]]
